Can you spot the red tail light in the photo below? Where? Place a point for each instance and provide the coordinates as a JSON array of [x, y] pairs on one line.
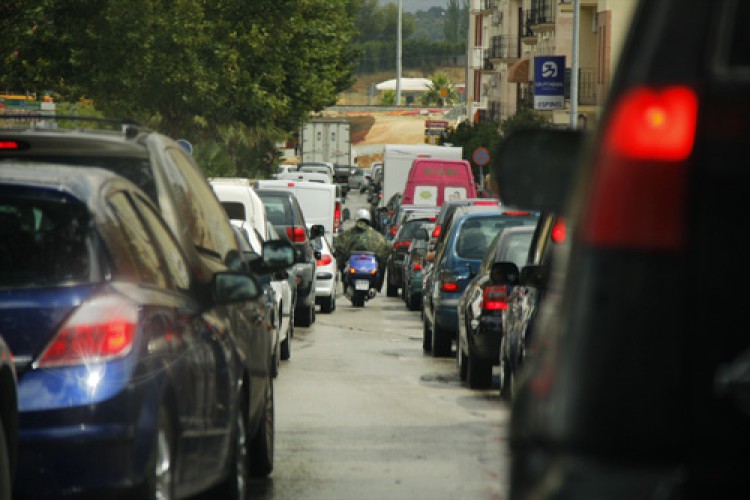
[[558, 231], [99, 330], [394, 230], [9, 145], [486, 203], [416, 265], [296, 234], [436, 231], [495, 298], [516, 213], [324, 260], [449, 286], [402, 244], [640, 181], [337, 216]]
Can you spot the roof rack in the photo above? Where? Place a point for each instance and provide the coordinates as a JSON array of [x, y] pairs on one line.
[[130, 128]]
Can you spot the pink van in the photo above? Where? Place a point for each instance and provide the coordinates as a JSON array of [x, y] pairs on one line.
[[432, 181]]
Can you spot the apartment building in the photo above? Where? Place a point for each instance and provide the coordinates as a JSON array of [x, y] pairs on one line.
[[506, 35]]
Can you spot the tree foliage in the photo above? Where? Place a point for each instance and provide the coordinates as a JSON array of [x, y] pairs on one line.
[[434, 96], [192, 68]]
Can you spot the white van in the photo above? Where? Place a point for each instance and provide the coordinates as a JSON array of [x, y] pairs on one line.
[[241, 203], [317, 201], [307, 177]]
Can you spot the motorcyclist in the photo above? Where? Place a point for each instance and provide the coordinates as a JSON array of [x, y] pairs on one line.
[[362, 236]]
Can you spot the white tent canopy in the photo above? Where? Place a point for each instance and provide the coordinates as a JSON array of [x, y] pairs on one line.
[[407, 84]]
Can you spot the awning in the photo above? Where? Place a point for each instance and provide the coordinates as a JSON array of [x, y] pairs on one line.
[[519, 72]]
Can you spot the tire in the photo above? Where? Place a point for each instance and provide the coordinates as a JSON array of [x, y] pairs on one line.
[[479, 372], [286, 347], [5, 476], [358, 300], [426, 336], [441, 342], [235, 485], [328, 304], [506, 384], [160, 480], [260, 451], [461, 363], [304, 316], [276, 357], [415, 302], [390, 290]]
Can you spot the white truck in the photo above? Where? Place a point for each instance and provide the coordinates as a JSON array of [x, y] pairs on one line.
[[397, 159], [327, 141]]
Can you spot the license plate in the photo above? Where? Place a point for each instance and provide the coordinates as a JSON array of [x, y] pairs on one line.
[[361, 285]]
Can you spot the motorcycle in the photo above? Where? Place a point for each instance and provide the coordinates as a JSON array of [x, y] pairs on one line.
[[360, 277]]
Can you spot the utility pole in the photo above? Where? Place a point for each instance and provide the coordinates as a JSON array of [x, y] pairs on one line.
[[574, 66], [398, 53]]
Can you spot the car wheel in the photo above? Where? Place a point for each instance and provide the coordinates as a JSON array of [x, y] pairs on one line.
[[461, 363], [5, 483], [426, 336], [505, 381], [407, 298], [304, 317], [160, 480], [261, 446], [328, 304], [235, 485], [479, 372], [286, 345], [415, 302], [276, 356], [441, 342], [390, 290]]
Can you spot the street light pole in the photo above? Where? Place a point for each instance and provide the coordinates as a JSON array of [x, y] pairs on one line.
[[398, 54], [574, 66]]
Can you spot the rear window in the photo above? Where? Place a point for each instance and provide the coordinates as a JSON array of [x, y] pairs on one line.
[[44, 240], [475, 234], [277, 209], [234, 210], [407, 231]]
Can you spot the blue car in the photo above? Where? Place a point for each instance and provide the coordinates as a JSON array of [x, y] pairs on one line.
[[130, 378], [453, 266], [8, 420]]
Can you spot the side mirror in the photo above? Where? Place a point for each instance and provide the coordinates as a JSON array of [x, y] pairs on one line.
[[277, 255], [317, 230], [535, 276], [230, 287], [504, 273], [534, 168], [346, 214]]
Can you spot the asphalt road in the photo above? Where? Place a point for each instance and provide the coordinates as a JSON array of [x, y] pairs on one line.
[[363, 413]]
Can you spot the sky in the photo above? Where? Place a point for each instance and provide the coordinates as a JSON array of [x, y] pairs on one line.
[[415, 5]]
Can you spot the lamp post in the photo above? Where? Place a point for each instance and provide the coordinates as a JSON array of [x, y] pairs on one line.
[[574, 66], [398, 53]]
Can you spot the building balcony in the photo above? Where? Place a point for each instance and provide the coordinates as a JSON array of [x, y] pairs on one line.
[[540, 17], [484, 6], [504, 49]]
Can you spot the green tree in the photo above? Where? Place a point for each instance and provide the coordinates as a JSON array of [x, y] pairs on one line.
[[388, 98], [452, 23], [433, 95]]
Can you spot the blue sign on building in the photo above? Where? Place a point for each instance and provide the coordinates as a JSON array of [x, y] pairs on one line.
[[549, 82]]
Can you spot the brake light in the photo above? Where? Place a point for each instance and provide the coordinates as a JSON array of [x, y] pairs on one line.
[[436, 231], [290, 184], [9, 145], [416, 264], [337, 216], [100, 330], [558, 231], [640, 181], [516, 213], [449, 286], [495, 298], [324, 260], [296, 234], [402, 244], [486, 203], [394, 230]]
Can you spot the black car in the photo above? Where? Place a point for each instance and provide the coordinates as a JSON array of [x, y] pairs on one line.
[[484, 304], [636, 384], [401, 243], [123, 368], [287, 218], [173, 181]]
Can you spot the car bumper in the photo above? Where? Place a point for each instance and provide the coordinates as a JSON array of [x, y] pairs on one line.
[[325, 284], [446, 314]]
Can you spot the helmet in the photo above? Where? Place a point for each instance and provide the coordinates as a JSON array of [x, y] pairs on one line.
[[363, 214]]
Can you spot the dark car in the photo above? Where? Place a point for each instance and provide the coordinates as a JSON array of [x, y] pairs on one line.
[[8, 421], [173, 181], [126, 377], [454, 265], [524, 299], [414, 268], [484, 303], [636, 384], [287, 218], [397, 257], [448, 209]]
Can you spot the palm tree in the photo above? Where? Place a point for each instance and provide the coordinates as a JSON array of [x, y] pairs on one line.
[[441, 92]]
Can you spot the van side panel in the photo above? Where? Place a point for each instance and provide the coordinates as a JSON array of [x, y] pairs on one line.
[[432, 181]]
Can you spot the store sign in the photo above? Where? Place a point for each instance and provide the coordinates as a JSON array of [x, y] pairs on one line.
[[549, 82]]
